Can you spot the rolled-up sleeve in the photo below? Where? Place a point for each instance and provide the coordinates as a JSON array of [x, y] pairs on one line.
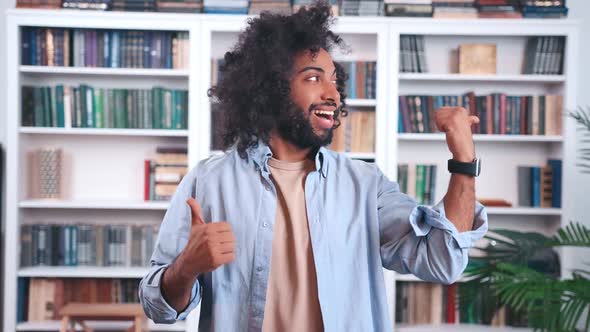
[[172, 239], [420, 240]]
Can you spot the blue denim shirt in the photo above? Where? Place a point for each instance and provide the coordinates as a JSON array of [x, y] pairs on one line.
[[359, 222]]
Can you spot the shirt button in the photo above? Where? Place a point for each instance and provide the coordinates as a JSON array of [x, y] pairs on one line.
[[259, 269], [265, 225]]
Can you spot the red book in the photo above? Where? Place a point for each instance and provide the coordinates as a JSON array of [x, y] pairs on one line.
[[451, 303], [502, 114], [146, 180]]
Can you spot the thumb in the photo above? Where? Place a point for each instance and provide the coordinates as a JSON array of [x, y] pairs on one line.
[[196, 213], [473, 119]]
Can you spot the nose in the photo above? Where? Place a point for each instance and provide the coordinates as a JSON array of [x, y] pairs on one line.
[[330, 93]]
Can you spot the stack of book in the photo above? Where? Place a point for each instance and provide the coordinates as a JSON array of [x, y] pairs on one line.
[[135, 5], [498, 9], [459, 9], [544, 55], [418, 181], [411, 8], [92, 107], [301, 3], [361, 8], [356, 133], [427, 304], [498, 113], [104, 48], [88, 4], [225, 6], [362, 79], [45, 4], [87, 245], [180, 6], [163, 173], [275, 6], [41, 299], [412, 54], [540, 186], [544, 8]]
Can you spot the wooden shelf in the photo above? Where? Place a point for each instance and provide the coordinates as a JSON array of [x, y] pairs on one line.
[[483, 138], [83, 272], [482, 78], [51, 326], [104, 132], [105, 71], [98, 205]]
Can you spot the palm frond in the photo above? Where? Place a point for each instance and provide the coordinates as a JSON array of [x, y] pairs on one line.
[[552, 304], [582, 117], [574, 234]]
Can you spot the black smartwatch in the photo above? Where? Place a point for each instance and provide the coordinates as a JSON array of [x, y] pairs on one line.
[[473, 168]]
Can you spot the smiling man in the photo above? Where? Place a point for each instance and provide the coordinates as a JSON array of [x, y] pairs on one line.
[[282, 234]]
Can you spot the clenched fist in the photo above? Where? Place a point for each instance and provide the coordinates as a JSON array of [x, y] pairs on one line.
[[210, 245], [456, 123]]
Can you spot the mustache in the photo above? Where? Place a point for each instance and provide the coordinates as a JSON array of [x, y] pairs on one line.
[[330, 104]]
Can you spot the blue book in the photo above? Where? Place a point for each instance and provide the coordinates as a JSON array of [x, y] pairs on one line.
[[536, 186], [556, 167]]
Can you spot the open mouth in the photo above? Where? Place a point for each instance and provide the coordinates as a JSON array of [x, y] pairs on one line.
[[325, 118]]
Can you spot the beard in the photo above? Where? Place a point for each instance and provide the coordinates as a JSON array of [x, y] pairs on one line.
[[294, 125]]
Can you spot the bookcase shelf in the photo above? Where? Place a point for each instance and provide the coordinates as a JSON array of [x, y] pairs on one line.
[[483, 138], [483, 78], [147, 72], [97, 205], [372, 39], [524, 211], [51, 326], [361, 102], [82, 272], [104, 132]]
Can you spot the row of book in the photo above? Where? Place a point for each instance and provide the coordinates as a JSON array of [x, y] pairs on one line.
[[469, 9], [356, 132], [104, 48], [418, 181], [362, 79], [544, 55], [540, 186], [87, 245], [41, 299], [414, 8], [498, 113], [92, 107], [163, 173], [425, 303], [412, 54]]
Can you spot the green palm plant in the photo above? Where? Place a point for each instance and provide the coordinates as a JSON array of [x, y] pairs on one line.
[[520, 270]]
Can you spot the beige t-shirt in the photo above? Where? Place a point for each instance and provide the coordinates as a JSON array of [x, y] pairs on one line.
[[292, 295]]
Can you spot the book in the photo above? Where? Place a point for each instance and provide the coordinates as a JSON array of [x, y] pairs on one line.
[[477, 59]]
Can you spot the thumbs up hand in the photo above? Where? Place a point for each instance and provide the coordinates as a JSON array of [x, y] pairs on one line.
[[209, 246]]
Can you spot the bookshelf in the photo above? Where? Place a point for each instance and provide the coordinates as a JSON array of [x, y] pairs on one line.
[[101, 189]]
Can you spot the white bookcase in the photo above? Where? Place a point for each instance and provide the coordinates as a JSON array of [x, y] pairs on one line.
[[105, 165]]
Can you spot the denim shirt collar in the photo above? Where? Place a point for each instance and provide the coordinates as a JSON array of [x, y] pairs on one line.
[[261, 153]]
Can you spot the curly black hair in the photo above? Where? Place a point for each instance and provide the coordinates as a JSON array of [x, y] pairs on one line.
[[254, 86]]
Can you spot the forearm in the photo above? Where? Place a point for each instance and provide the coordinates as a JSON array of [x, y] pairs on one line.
[[177, 284], [460, 201]]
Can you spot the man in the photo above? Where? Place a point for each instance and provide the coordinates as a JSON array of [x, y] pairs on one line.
[[281, 234]]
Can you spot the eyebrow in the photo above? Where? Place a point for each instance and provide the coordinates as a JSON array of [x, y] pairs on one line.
[[314, 68]]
